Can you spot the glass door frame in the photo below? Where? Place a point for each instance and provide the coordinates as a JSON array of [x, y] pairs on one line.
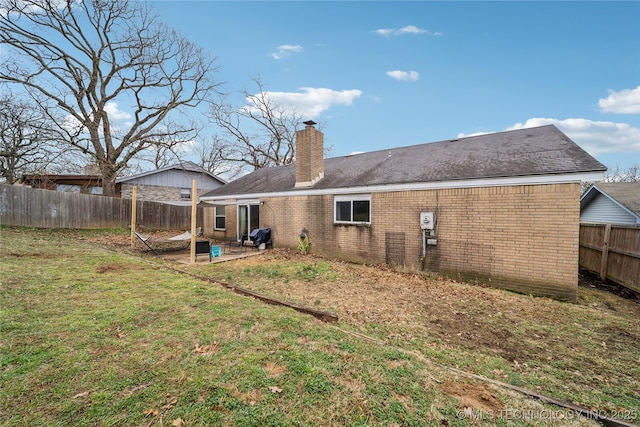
[[248, 217]]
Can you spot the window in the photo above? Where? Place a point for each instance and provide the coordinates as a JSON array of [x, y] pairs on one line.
[[185, 193], [220, 218], [94, 189], [352, 209], [68, 188]]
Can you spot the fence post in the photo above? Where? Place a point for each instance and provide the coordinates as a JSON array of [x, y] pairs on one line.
[[133, 217], [194, 204], [605, 252]]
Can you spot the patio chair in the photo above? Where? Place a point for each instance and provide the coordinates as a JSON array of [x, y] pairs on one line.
[[149, 240], [234, 246]]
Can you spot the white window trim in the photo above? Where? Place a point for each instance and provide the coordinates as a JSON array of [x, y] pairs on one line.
[[351, 198], [185, 193], [216, 216]]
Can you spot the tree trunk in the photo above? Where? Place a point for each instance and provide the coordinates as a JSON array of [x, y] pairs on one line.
[[109, 187], [108, 181]]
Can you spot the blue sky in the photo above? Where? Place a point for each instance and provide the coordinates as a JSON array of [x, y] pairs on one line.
[[387, 74]]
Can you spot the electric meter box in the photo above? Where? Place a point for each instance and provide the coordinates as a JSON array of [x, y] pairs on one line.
[[426, 220]]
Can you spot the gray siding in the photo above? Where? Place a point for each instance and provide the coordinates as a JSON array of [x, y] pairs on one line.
[[176, 178], [603, 210]]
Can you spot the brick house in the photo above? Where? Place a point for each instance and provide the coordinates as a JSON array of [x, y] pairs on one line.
[[501, 209]]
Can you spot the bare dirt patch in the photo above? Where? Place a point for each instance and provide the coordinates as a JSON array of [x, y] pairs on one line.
[[416, 307], [473, 395], [120, 241], [587, 279]]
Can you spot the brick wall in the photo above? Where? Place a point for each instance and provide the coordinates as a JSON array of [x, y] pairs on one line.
[[309, 156], [523, 238], [156, 193], [231, 219]]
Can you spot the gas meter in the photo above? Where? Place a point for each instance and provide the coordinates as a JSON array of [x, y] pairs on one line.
[[426, 220]]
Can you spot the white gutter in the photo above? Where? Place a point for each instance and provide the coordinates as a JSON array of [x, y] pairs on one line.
[[484, 182]]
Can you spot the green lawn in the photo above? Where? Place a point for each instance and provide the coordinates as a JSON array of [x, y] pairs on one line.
[[94, 336]]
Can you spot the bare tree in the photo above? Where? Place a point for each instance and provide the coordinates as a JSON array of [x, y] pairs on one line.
[[81, 59], [211, 159], [158, 156], [632, 174], [29, 143], [258, 134]]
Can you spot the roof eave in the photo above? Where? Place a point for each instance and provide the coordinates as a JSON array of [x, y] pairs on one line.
[[561, 178]]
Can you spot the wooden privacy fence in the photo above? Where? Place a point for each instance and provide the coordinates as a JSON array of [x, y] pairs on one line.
[[31, 207], [612, 251]]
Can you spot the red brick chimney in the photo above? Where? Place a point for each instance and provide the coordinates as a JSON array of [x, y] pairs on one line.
[[309, 155]]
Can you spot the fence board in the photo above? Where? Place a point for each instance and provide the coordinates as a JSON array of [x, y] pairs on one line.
[[31, 207], [613, 251]]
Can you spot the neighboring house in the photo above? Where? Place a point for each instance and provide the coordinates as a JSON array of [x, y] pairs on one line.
[[610, 232], [171, 184], [611, 203], [501, 209], [84, 184]]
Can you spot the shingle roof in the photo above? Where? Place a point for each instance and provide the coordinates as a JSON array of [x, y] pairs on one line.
[[625, 193], [532, 151]]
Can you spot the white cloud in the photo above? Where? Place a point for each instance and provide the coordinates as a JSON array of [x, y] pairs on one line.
[[286, 50], [407, 76], [409, 29], [624, 102], [72, 124], [36, 7], [595, 137], [313, 101], [385, 32], [114, 113]]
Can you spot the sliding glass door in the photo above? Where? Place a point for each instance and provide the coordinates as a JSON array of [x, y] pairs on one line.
[[248, 219]]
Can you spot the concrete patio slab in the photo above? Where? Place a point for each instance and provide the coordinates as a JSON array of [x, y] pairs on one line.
[[184, 256]]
